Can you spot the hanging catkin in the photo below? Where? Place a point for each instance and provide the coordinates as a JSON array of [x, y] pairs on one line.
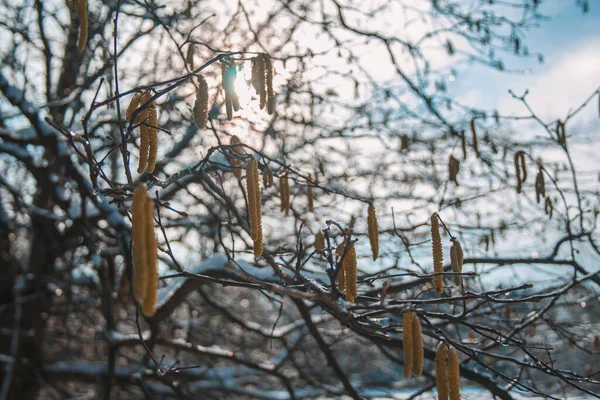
[[269, 84], [267, 177], [407, 342], [319, 242], [350, 271], [418, 350], [189, 57], [540, 186], [236, 148], [152, 137], [201, 104], [133, 105], [548, 207], [441, 371], [453, 374], [140, 250], [438, 256], [404, 144], [456, 260], [309, 194], [474, 133], [284, 193], [596, 343], [254, 206], [82, 15], [453, 168], [229, 73], [341, 278], [520, 169], [149, 304], [463, 142], [373, 231], [258, 79]]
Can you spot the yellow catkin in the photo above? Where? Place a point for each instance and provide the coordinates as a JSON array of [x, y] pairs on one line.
[[438, 256], [540, 186], [474, 133], [373, 231], [453, 374], [418, 349], [319, 242], [453, 168], [149, 304], [235, 162], [133, 105], [284, 193], [456, 260], [441, 371], [254, 206], [269, 84], [267, 177], [140, 251], [407, 342], [152, 137], [82, 15], [201, 104], [309, 194], [350, 270], [143, 118], [189, 57], [341, 278]]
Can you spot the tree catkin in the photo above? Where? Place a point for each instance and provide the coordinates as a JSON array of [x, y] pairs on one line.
[[189, 57], [596, 343], [548, 207], [463, 142], [319, 242], [267, 177], [309, 194], [236, 147], [453, 168], [152, 137], [453, 374], [229, 73], [269, 84], [373, 231], [438, 256], [350, 271], [474, 133], [258, 79], [254, 206], [140, 250], [149, 304], [82, 15], [456, 260], [133, 105], [284, 193], [418, 349], [540, 186], [441, 371], [520, 169], [341, 278], [201, 104], [407, 342]]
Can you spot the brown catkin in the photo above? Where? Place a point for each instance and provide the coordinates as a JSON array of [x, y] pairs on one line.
[[453, 374], [258, 79], [269, 84], [140, 250], [189, 57], [235, 162], [341, 278], [133, 105], [319, 242], [254, 206], [284, 193], [152, 137], [441, 371], [201, 104], [373, 231], [463, 142], [350, 271], [267, 177], [540, 186], [453, 168], [418, 349], [404, 144], [149, 304], [548, 207], [143, 118], [438, 256], [474, 133], [520, 169], [407, 342], [456, 260], [596, 343], [82, 15], [309, 194]]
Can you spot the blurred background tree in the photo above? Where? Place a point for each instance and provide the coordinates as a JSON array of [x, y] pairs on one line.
[[363, 116]]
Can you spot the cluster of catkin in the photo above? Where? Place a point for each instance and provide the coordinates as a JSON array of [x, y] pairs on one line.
[[229, 74], [347, 274], [262, 81], [82, 15], [147, 118], [412, 339], [447, 372], [373, 231], [438, 254], [145, 251], [254, 206], [201, 104], [520, 170]]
